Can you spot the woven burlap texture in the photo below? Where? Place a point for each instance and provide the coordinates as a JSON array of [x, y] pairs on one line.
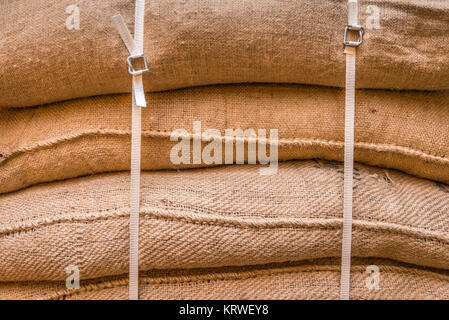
[[223, 216], [191, 43], [399, 130], [317, 279]]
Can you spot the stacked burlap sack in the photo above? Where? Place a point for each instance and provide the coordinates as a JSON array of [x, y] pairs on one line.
[[211, 231]]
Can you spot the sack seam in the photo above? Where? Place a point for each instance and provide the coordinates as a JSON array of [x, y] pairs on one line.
[[316, 224], [234, 276], [377, 147]]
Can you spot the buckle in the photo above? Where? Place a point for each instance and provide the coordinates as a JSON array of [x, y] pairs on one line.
[[353, 27], [131, 59]]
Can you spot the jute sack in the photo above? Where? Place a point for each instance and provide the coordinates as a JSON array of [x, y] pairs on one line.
[[318, 279], [223, 216], [189, 43], [400, 130]]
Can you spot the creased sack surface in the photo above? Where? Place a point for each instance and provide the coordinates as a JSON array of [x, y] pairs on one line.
[[224, 216], [191, 43], [400, 130], [317, 279]]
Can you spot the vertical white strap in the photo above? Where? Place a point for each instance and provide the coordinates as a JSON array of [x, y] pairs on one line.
[[135, 47], [139, 18], [349, 159], [134, 202], [138, 101], [352, 12]]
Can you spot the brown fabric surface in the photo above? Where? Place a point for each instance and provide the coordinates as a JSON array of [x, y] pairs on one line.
[[191, 43], [319, 279], [224, 216], [399, 130]]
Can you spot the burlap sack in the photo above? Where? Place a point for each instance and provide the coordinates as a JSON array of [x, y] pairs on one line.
[[224, 216], [319, 279], [191, 43], [400, 130]]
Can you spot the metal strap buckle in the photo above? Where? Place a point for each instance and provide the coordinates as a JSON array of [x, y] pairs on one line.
[[131, 68], [354, 28]]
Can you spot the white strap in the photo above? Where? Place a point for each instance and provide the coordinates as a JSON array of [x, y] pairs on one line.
[[135, 203], [135, 47], [349, 159]]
